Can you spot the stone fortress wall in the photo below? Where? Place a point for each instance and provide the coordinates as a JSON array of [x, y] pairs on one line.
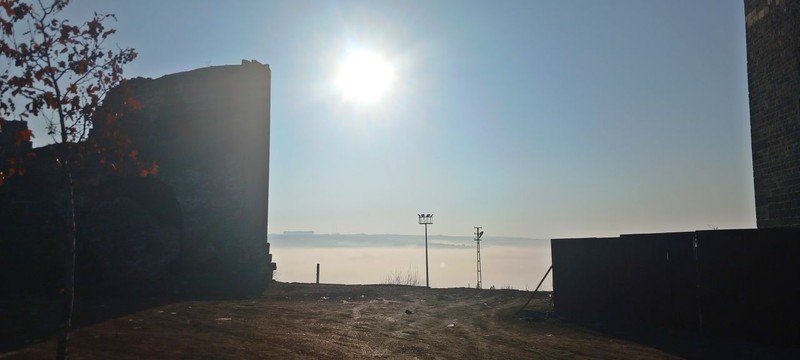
[[773, 72], [198, 227]]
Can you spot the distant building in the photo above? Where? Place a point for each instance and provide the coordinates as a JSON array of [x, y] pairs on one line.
[[773, 73]]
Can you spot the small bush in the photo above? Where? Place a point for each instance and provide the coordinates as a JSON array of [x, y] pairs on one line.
[[399, 277]]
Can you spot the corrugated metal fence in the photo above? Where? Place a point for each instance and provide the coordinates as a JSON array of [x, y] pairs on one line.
[[743, 283]]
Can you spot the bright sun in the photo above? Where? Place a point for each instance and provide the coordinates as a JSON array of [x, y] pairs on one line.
[[364, 76]]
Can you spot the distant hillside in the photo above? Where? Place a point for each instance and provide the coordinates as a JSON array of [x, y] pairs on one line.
[[309, 239]]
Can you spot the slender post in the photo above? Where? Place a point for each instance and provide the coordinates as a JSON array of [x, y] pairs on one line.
[[478, 234], [427, 278], [698, 301], [480, 285], [425, 219], [317, 273], [537, 289], [68, 300]]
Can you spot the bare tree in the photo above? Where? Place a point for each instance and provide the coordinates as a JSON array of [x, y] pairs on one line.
[[58, 73]]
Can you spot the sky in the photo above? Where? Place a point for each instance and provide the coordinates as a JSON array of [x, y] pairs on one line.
[[538, 119]]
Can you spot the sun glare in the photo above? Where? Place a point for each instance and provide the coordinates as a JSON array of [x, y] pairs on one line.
[[364, 76]]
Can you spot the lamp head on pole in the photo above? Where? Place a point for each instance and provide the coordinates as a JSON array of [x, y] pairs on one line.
[[425, 219]]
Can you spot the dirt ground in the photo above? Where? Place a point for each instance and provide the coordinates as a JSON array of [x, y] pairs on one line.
[[308, 321]]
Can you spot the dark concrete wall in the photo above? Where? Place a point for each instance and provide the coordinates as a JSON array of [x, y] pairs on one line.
[[730, 282], [773, 69]]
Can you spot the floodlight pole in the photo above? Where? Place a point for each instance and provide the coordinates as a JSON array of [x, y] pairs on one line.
[[425, 219], [427, 275]]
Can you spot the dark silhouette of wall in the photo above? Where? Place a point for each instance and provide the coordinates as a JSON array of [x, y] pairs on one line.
[[10, 135], [13, 143], [208, 129], [728, 282], [773, 73], [627, 279], [197, 228]]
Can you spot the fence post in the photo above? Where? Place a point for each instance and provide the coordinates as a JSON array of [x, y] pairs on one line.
[[317, 273]]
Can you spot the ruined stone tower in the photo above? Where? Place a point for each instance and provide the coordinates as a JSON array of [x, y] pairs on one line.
[[208, 130], [192, 221], [773, 72]]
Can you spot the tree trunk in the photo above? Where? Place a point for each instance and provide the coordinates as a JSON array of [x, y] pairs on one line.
[[68, 292]]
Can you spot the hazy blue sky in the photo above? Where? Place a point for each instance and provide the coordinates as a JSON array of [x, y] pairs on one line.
[[530, 118]]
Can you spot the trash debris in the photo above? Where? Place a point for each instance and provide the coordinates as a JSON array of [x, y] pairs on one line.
[[548, 335], [223, 319], [324, 298], [173, 313], [409, 312], [451, 325]]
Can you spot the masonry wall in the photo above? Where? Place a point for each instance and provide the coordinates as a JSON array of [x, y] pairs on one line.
[[773, 69], [208, 130], [198, 227]]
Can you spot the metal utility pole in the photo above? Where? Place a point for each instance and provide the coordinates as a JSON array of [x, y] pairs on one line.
[[478, 234], [425, 219]]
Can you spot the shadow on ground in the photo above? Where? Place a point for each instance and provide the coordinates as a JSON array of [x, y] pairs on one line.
[[694, 345], [25, 321]]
